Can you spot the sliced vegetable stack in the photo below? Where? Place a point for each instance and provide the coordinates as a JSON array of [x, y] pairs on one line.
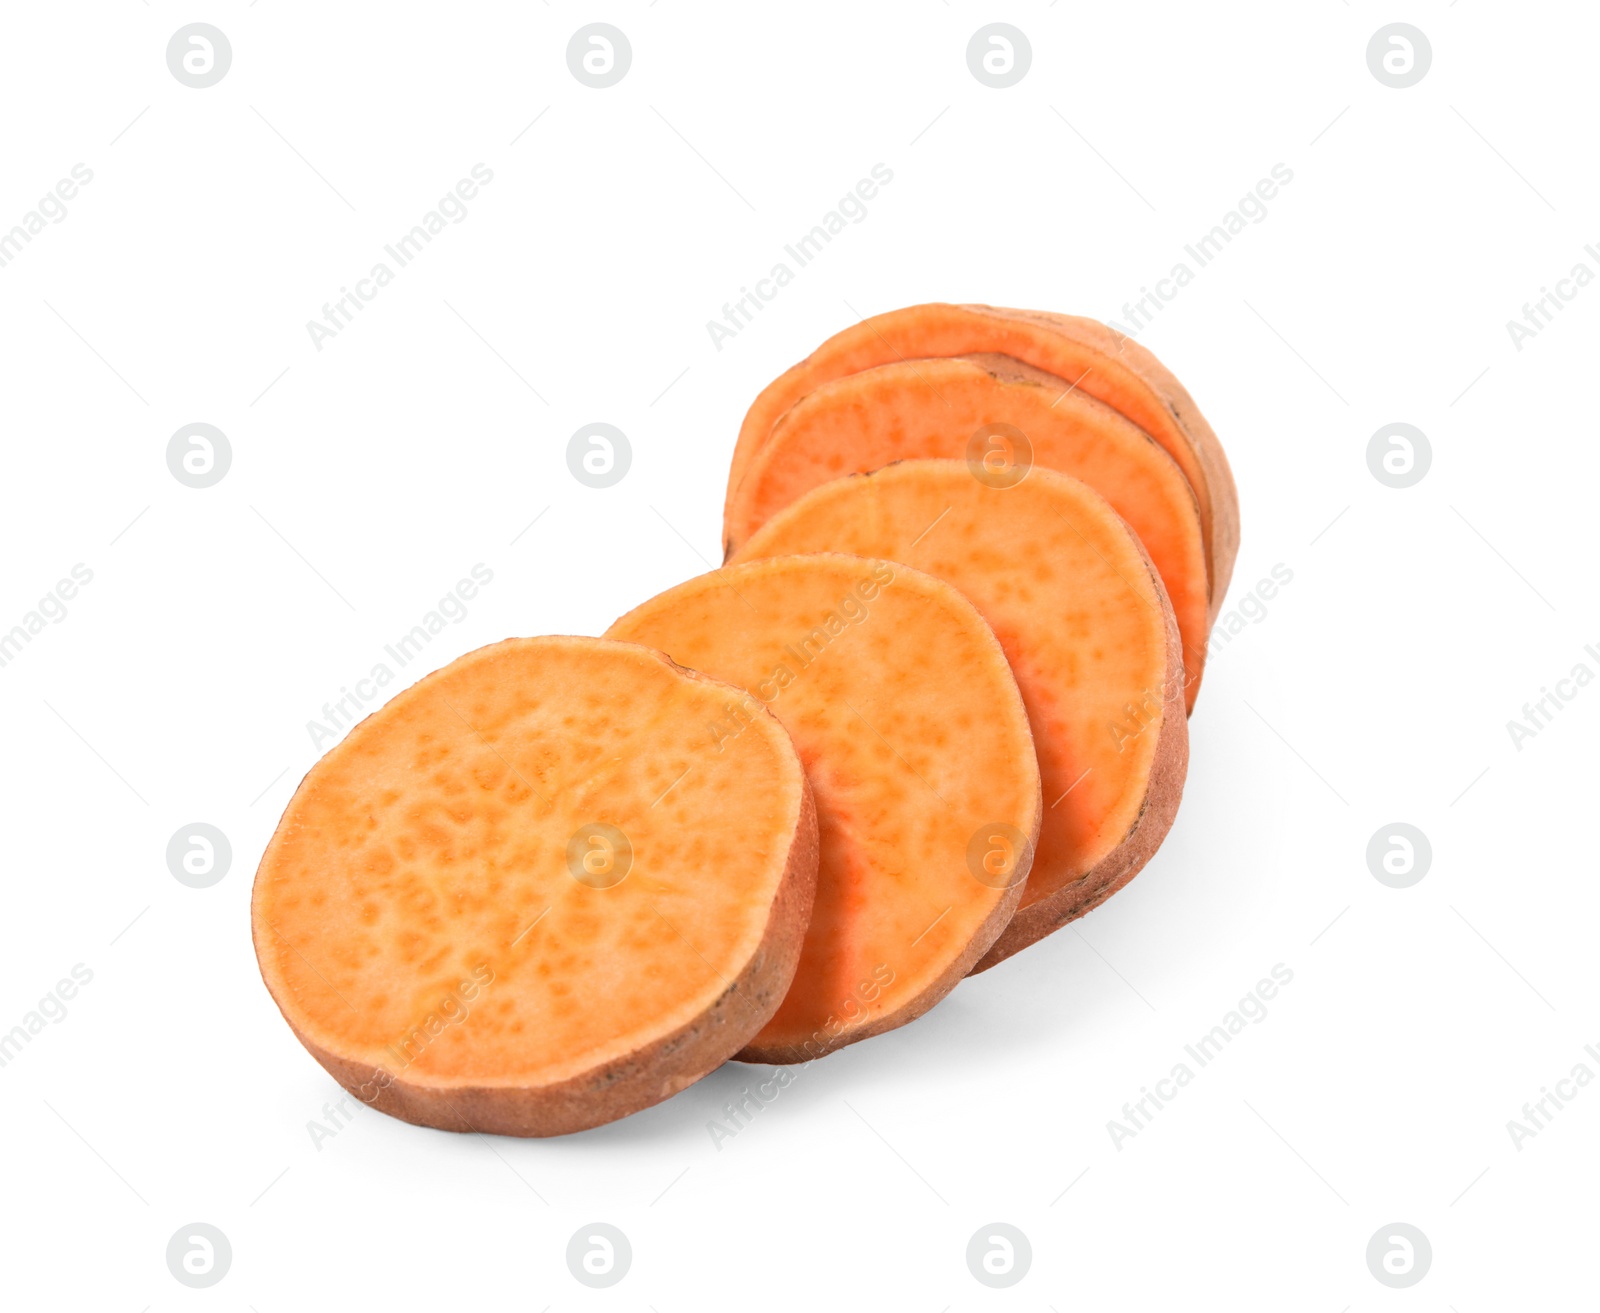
[[933, 708]]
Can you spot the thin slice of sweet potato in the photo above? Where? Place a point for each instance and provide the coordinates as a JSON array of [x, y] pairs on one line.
[[1092, 640], [528, 896], [1090, 357], [916, 742], [987, 409]]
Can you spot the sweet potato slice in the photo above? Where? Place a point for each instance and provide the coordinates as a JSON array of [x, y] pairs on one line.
[[1090, 357], [528, 896], [1085, 623], [934, 409], [916, 742]]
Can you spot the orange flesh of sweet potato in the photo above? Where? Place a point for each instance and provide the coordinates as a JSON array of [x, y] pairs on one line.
[[932, 408], [1085, 624], [445, 935], [1096, 361], [916, 742]]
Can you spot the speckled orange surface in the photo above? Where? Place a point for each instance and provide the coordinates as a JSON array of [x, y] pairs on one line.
[[1068, 592], [1093, 359], [900, 701], [419, 914], [932, 409]]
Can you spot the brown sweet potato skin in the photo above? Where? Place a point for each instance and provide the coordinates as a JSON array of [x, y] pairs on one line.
[[1167, 773]]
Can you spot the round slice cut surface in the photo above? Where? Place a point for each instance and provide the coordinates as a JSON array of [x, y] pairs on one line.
[[530, 895], [1003, 420], [1086, 626], [899, 698]]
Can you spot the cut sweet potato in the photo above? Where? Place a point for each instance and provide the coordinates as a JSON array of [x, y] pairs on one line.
[[1085, 623], [916, 742], [942, 408], [529, 896], [1090, 357]]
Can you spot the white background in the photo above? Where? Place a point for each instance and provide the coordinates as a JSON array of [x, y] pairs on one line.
[[369, 476]]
